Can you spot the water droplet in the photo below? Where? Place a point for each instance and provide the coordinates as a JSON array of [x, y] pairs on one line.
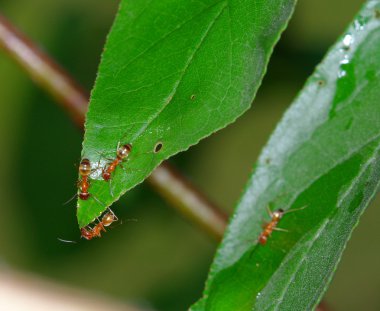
[[258, 295], [342, 74], [345, 60], [348, 40]]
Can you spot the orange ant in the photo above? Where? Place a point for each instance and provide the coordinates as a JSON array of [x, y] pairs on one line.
[[90, 233], [84, 184], [121, 154], [272, 225]]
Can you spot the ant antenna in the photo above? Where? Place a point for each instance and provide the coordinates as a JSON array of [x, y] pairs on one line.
[[295, 209], [72, 198], [66, 241]]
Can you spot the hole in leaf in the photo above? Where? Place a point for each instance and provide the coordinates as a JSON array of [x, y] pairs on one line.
[[158, 147]]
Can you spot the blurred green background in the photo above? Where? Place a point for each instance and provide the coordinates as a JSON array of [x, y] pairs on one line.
[[159, 261]]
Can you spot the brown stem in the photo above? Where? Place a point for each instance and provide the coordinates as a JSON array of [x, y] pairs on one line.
[[189, 201], [322, 307], [44, 71], [51, 77]]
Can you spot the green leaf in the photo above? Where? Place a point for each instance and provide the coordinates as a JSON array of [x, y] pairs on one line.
[[172, 73], [324, 155]]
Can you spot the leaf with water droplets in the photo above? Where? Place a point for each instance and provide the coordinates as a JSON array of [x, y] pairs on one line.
[[172, 73], [325, 155]]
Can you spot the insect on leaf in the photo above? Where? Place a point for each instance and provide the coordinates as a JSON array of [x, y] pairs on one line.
[[172, 73], [324, 155]]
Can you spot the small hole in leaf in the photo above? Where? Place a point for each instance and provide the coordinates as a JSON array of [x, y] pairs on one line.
[[158, 147]]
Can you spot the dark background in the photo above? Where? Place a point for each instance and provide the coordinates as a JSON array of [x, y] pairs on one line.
[[161, 260]]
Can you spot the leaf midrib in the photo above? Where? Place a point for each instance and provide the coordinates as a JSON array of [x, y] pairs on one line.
[[171, 95]]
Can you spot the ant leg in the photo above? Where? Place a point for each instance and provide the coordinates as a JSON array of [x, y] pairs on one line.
[[101, 225], [280, 229], [98, 167], [127, 132], [114, 215], [88, 228], [102, 157], [269, 212]]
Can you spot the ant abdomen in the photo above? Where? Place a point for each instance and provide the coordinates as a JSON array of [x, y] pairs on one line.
[[108, 219], [124, 151], [85, 167]]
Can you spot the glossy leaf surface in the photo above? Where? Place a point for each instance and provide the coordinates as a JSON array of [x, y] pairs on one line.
[[324, 156], [172, 73]]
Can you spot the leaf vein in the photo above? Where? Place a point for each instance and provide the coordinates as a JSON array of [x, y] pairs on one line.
[[176, 85]]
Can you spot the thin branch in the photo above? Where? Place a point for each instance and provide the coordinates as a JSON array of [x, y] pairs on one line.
[[44, 71], [322, 307], [168, 182], [189, 201]]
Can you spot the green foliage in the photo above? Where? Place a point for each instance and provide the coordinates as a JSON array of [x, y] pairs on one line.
[[324, 155], [173, 72]]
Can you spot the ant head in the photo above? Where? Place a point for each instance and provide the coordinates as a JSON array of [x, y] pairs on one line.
[[279, 213], [84, 233], [263, 239], [84, 195], [85, 167], [106, 176]]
